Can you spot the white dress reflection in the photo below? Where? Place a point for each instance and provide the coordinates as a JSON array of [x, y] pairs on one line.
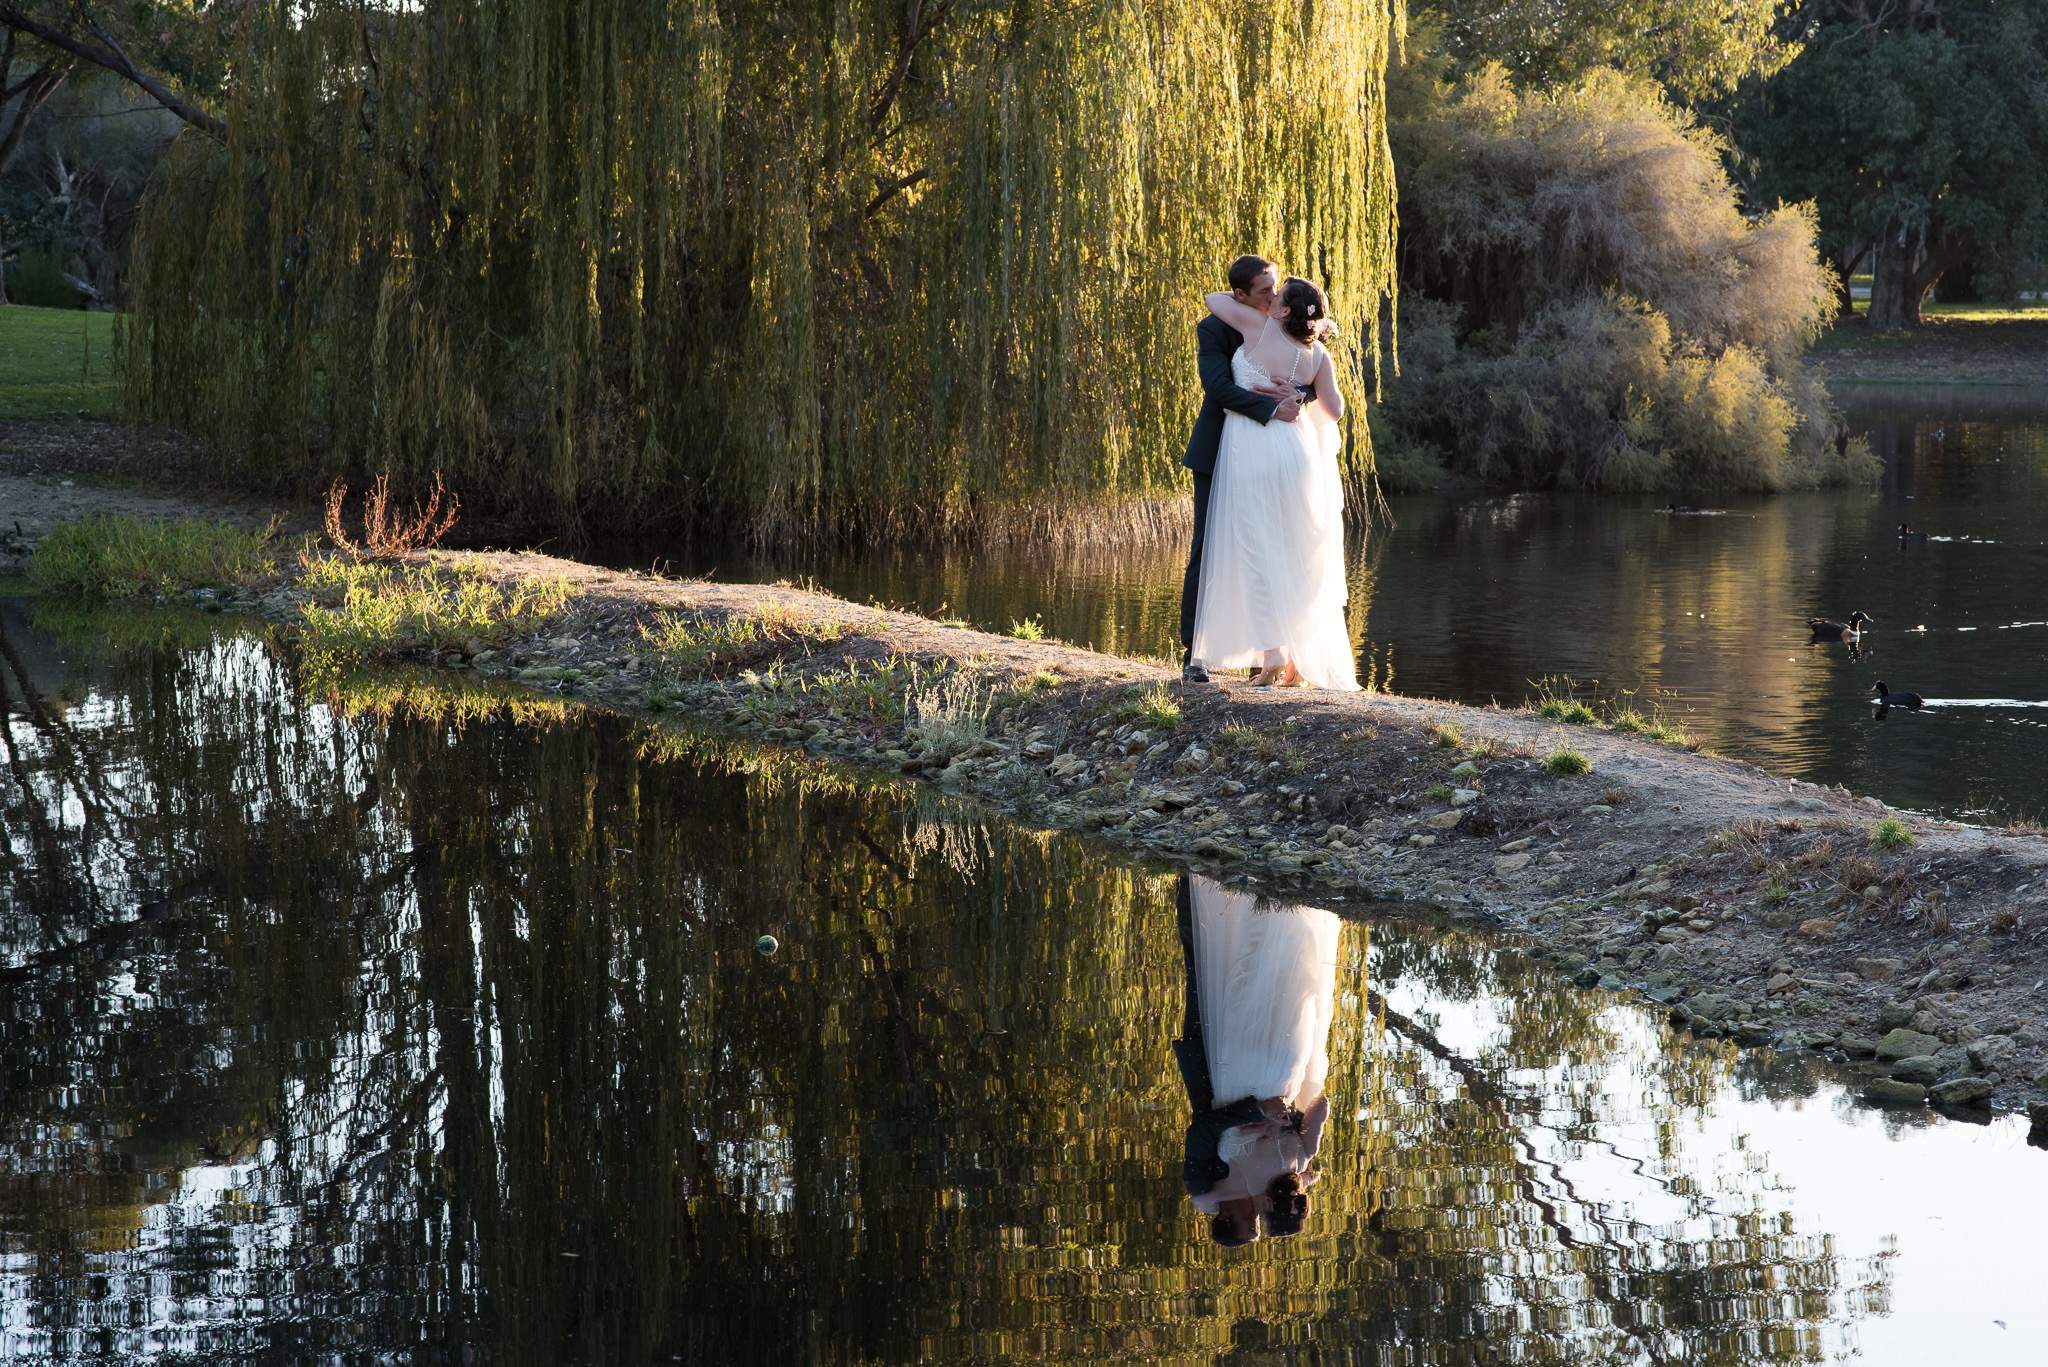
[[1266, 978]]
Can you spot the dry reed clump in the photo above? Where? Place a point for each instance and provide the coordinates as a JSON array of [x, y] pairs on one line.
[[1620, 324], [389, 532]]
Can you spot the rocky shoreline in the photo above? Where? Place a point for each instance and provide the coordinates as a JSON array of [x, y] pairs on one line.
[[1762, 910]]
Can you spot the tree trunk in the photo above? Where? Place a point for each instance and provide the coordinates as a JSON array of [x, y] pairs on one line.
[[1901, 273], [1845, 264], [1958, 284]]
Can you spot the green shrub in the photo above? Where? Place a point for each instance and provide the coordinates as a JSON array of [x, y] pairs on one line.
[[1554, 700], [120, 557], [1030, 629], [35, 279], [1891, 834]]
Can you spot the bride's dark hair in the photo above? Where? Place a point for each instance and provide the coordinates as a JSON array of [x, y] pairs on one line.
[[1308, 311]]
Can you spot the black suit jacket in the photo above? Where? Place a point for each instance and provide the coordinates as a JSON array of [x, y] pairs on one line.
[[1200, 1168], [1215, 343]]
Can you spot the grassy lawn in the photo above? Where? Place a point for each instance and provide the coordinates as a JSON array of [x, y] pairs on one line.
[[49, 368]]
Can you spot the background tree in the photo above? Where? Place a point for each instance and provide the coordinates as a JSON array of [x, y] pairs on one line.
[[1695, 48], [1920, 130]]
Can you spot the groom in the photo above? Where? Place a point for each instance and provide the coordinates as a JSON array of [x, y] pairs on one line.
[[1253, 280]]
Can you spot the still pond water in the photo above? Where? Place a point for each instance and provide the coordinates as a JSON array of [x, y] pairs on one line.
[[1476, 600], [332, 1038]]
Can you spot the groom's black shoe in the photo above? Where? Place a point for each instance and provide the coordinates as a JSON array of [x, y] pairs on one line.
[[1192, 672]]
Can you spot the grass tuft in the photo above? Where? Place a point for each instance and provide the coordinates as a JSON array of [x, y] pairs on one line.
[[1030, 629], [122, 557], [1891, 834], [1447, 734], [948, 717], [1153, 708], [1565, 760], [1554, 700]]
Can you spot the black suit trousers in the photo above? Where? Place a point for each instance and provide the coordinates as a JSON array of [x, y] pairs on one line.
[[1191, 583]]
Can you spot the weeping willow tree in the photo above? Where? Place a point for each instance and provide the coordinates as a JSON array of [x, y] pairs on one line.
[[853, 266]]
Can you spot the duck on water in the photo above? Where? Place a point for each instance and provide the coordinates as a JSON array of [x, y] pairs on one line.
[[1886, 699], [1824, 630]]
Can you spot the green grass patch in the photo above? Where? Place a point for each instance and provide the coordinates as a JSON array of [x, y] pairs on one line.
[[369, 611], [1238, 736], [1891, 834], [689, 646], [1440, 792], [121, 557], [1565, 761], [56, 363], [1446, 734], [1027, 690], [1555, 700], [1030, 629], [1152, 708]]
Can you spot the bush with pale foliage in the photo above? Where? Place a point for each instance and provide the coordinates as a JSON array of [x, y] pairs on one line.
[[1587, 305]]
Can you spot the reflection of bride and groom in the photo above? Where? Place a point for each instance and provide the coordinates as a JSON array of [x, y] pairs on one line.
[[1254, 1055]]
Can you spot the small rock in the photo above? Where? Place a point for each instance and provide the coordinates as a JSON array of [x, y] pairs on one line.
[[1516, 846], [1816, 928], [1506, 864], [1172, 801], [1894, 1015], [1753, 1033], [1672, 935], [1878, 970], [2037, 1111], [1924, 1069], [1993, 1054], [1443, 821], [569, 643], [1887, 1091], [1782, 982], [1855, 1045], [1156, 751], [1926, 1022], [1421, 842], [1594, 809], [1210, 847], [1229, 787], [1464, 797], [1904, 1043], [1285, 863], [1467, 767], [1037, 749], [1067, 765], [1963, 1091]]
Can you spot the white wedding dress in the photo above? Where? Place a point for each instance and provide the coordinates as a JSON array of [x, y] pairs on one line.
[[1267, 979], [1273, 554]]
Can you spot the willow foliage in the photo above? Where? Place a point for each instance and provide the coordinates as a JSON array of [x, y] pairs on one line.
[[797, 265]]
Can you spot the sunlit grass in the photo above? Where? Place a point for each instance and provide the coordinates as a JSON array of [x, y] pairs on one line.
[[1891, 834], [122, 557], [365, 611], [689, 645], [1554, 700], [1152, 708]]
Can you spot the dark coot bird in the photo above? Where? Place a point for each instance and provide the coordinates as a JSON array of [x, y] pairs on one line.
[[1824, 630], [1905, 535], [1887, 698]]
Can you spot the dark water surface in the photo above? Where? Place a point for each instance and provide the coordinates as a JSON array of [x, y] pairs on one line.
[[1470, 599], [363, 1038]]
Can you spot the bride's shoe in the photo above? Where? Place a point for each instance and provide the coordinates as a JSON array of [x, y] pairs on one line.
[[1268, 677], [1289, 677]]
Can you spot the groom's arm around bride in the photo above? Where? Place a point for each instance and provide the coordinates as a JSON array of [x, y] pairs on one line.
[[1252, 280]]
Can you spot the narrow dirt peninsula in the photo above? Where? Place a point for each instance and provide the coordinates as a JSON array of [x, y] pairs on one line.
[[1771, 912]]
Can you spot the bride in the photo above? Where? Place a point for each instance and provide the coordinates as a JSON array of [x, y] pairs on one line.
[[1272, 589]]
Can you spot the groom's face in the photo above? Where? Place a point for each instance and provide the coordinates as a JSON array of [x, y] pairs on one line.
[[1260, 295]]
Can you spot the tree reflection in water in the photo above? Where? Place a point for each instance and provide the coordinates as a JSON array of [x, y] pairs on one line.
[[380, 1033]]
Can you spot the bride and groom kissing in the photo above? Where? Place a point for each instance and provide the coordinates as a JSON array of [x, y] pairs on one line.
[[1265, 585]]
